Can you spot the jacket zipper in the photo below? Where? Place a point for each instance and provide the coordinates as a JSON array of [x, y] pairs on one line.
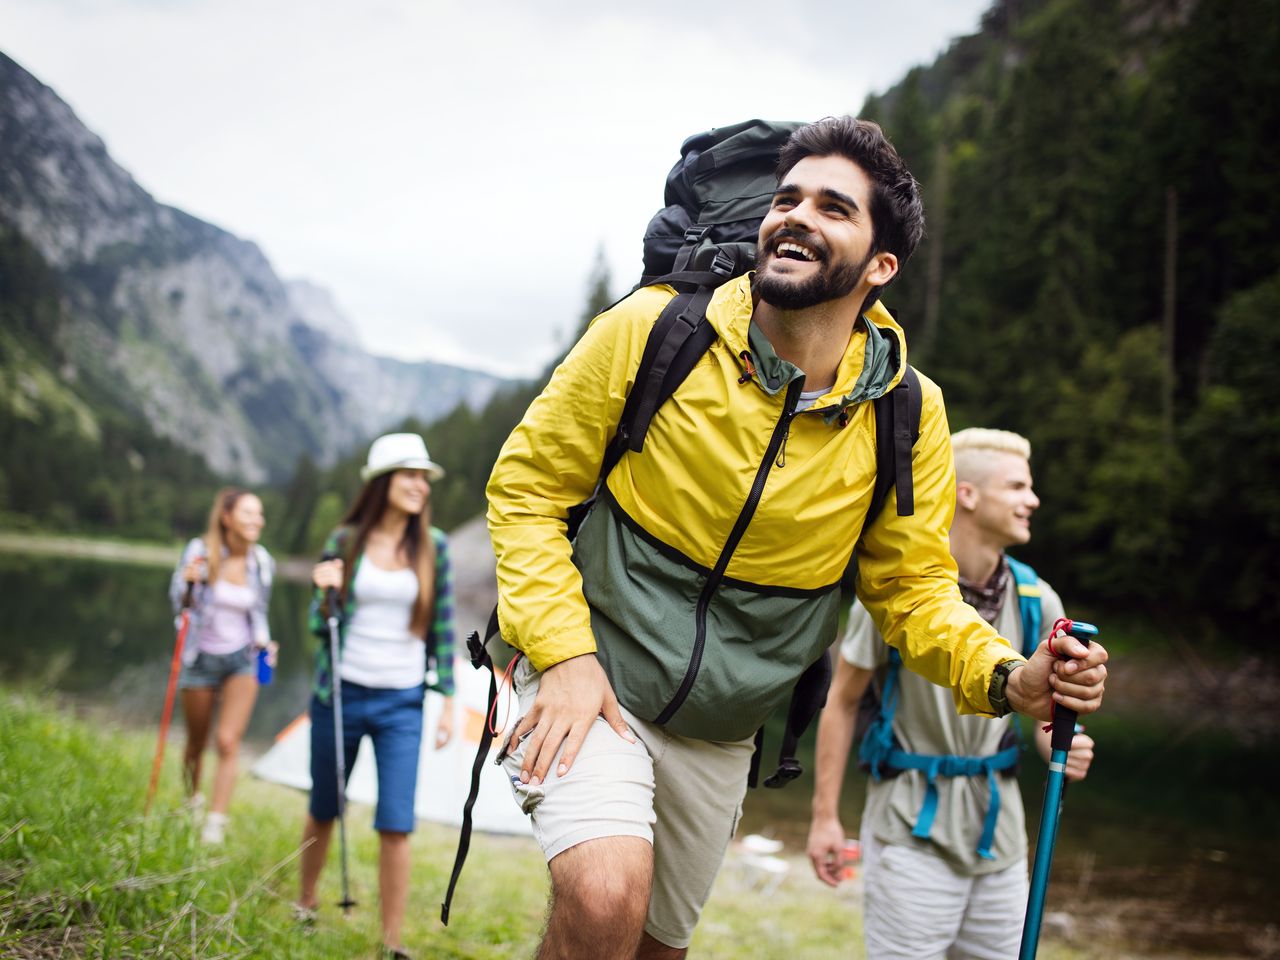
[[731, 544]]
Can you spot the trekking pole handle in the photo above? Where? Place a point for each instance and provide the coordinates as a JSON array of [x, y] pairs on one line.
[[1064, 718], [331, 593]]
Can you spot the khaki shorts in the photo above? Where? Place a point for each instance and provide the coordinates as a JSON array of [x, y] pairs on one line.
[[684, 796]]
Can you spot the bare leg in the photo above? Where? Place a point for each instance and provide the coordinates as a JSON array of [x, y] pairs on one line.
[[238, 696], [197, 710], [651, 949], [314, 854], [393, 884], [600, 897]]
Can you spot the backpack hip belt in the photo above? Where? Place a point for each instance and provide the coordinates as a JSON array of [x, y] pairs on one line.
[[954, 766]]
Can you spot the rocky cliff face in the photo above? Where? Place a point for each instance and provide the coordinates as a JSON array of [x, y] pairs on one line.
[[187, 325]]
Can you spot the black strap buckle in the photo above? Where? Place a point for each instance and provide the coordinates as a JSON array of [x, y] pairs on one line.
[[722, 264], [787, 771], [476, 650], [695, 234]]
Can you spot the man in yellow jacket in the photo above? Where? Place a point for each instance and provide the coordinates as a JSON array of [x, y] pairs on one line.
[[705, 578]]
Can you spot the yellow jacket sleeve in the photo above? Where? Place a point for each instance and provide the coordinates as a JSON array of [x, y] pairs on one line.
[[549, 464], [907, 576]]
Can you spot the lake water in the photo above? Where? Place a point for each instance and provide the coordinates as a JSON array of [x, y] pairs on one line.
[[1170, 845]]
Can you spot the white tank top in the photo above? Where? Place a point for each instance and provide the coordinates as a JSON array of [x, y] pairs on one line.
[[379, 651]]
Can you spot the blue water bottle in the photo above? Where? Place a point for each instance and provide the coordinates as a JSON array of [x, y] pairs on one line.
[[264, 667]]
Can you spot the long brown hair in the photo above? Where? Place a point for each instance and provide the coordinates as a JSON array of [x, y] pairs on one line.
[[416, 541], [215, 534]]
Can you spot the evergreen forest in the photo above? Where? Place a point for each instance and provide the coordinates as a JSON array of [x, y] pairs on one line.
[[1101, 273]]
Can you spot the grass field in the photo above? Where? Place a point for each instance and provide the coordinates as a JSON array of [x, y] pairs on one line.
[[83, 874]]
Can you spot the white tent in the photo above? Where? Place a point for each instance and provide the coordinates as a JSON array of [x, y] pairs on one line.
[[444, 775]]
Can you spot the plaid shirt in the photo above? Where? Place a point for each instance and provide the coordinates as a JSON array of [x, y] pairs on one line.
[[440, 638]]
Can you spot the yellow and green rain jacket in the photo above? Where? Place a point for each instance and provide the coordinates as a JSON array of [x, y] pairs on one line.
[[706, 576]]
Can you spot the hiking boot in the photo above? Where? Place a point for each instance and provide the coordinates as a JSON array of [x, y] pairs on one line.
[[215, 829], [395, 953]]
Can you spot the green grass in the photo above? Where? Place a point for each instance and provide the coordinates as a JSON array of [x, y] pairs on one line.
[[83, 874]]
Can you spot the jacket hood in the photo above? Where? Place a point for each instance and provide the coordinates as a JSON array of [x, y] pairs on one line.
[[873, 363]]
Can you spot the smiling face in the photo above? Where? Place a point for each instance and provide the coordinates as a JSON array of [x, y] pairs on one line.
[[408, 491], [1001, 502], [815, 242], [245, 519]]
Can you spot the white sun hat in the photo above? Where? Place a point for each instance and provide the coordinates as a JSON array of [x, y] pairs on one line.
[[399, 451]]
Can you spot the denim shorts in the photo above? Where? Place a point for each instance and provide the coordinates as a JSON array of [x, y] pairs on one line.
[[213, 669], [392, 719]]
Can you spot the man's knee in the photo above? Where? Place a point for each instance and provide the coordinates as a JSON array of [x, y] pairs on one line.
[[604, 883]]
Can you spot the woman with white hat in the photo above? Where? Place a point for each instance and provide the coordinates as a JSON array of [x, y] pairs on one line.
[[395, 589]]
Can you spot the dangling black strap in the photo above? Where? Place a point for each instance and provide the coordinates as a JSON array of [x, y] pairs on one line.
[[753, 776], [807, 700], [479, 658]]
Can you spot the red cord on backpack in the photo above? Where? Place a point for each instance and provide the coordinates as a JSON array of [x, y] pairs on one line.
[[506, 679]]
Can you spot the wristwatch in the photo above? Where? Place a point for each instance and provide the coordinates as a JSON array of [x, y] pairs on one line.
[[999, 682]]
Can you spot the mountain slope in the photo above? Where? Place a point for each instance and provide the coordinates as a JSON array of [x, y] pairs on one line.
[[185, 326]]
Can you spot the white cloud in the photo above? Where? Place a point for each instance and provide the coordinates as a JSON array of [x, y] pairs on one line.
[[448, 169]]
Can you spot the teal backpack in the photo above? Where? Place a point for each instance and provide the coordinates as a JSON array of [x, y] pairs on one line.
[[882, 757]]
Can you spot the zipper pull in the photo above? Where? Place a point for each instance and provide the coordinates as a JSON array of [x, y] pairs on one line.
[[782, 453]]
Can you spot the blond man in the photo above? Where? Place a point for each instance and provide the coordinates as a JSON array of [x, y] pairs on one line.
[[945, 857]]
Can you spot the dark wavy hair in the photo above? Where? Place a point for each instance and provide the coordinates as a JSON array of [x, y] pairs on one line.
[[897, 212], [417, 542]]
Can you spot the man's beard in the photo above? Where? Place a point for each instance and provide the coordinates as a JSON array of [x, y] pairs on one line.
[[827, 284]]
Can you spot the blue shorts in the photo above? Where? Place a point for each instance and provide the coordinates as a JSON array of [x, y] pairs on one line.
[[213, 669], [392, 719]]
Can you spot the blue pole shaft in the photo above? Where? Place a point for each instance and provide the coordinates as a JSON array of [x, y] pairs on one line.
[[1064, 729], [1044, 854]]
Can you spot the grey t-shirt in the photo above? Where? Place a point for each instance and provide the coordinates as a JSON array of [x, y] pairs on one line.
[[926, 721]]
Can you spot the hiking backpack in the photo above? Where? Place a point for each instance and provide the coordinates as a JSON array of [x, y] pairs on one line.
[[716, 196], [880, 754]]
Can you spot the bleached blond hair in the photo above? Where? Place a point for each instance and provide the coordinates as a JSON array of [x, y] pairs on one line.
[[973, 449]]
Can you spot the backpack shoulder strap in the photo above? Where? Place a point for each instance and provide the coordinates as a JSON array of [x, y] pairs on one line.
[[897, 430], [680, 336], [878, 741], [1028, 584]]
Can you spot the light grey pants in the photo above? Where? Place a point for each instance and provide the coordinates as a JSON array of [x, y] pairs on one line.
[[917, 907]]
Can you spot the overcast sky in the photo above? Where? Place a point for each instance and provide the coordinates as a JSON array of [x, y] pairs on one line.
[[449, 169]]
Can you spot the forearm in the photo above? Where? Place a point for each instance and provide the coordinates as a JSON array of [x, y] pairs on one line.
[[835, 738]]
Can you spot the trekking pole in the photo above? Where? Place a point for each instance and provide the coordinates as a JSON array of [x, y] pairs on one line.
[[1064, 729], [175, 667], [339, 743]]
